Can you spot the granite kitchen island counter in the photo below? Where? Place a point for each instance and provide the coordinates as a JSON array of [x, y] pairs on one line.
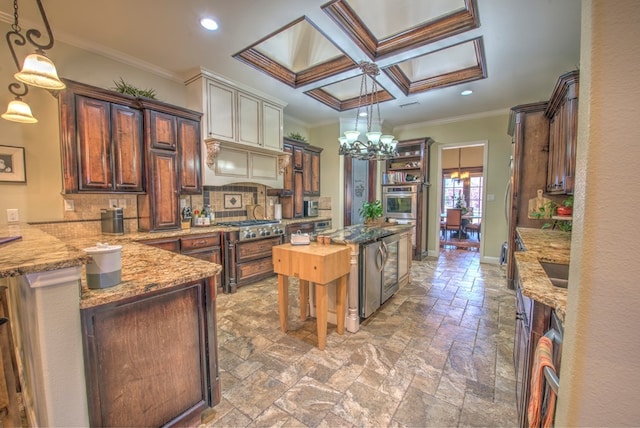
[[548, 246], [363, 233]]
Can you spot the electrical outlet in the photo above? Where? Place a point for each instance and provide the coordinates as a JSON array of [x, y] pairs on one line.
[[69, 205], [113, 203], [12, 215], [122, 203]]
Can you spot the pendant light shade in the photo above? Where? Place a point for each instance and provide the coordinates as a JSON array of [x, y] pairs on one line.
[[19, 111], [38, 70]]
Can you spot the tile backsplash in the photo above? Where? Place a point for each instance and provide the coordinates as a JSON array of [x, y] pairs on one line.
[[228, 203]]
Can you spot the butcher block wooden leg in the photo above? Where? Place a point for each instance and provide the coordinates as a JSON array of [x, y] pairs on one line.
[[341, 301], [283, 300], [304, 298], [322, 307]]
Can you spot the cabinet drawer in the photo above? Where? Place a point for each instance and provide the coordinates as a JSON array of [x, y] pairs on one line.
[[169, 244], [200, 241], [256, 249], [301, 227]]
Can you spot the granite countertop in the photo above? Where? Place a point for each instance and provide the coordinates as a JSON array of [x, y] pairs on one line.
[[360, 233], [144, 268], [36, 251], [543, 245]]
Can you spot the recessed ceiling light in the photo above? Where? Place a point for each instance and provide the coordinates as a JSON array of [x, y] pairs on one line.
[[362, 114], [466, 92], [209, 24]]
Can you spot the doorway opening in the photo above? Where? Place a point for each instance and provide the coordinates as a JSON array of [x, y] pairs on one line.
[[461, 194]]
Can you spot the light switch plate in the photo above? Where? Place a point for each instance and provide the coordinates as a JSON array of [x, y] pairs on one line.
[[113, 203], [69, 205]]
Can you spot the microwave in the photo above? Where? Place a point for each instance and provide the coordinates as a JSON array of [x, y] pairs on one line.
[[311, 208]]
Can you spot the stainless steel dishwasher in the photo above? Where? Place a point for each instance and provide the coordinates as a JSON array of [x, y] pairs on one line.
[[378, 279]]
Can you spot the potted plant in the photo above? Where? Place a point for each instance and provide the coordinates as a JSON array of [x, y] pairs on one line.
[[371, 211], [566, 207]]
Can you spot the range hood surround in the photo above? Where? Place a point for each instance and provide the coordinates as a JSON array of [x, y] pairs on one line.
[[229, 163]]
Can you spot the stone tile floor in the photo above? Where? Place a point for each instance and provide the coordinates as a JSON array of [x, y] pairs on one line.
[[438, 353]]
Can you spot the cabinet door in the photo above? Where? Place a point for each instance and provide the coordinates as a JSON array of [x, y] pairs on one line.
[[163, 192], [298, 157], [248, 120], [306, 172], [94, 144], [160, 342], [126, 126], [221, 111], [315, 174], [287, 184], [271, 126], [189, 156], [162, 130], [298, 195]]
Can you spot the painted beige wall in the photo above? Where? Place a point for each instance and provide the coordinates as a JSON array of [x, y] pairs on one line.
[[601, 352], [40, 198], [492, 129]]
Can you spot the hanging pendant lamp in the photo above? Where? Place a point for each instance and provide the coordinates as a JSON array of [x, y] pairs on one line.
[[377, 146], [37, 69]]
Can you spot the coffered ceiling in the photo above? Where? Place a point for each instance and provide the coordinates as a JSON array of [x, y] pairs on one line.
[[306, 52]]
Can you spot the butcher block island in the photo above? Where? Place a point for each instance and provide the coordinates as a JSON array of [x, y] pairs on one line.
[[140, 353]]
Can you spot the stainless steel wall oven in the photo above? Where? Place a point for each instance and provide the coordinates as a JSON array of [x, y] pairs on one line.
[[400, 201]]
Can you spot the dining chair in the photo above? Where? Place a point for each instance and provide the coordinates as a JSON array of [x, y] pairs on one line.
[[454, 221], [473, 228]]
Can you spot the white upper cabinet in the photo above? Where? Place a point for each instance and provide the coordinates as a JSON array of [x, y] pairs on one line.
[[220, 116], [236, 113]]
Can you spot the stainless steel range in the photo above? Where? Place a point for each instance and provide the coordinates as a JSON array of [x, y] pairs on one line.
[[255, 229], [247, 255]]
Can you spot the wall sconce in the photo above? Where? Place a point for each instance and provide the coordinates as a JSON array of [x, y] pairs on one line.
[[37, 69], [213, 148], [283, 162]]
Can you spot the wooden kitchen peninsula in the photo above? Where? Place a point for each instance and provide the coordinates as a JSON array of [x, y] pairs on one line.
[[143, 352], [320, 264]]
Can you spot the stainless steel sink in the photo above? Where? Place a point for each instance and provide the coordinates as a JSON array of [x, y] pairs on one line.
[[558, 273]]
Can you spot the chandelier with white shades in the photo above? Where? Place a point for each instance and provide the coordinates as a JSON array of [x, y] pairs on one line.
[[377, 146]]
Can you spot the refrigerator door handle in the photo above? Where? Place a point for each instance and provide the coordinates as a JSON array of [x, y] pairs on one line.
[[507, 205], [379, 259], [385, 254]]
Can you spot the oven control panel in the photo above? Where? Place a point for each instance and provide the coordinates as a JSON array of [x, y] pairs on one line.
[[261, 231]]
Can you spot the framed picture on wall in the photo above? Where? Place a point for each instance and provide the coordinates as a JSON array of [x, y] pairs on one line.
[[12, 165]]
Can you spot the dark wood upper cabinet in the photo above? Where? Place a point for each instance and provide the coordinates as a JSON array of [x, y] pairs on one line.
[[101, 140], [126, 124], [189, 149], [562, 112], [172, 150], [158, 209], [162, 131], [301, 177]]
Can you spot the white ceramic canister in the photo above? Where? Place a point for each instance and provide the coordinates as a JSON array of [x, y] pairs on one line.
[[106, 268]]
